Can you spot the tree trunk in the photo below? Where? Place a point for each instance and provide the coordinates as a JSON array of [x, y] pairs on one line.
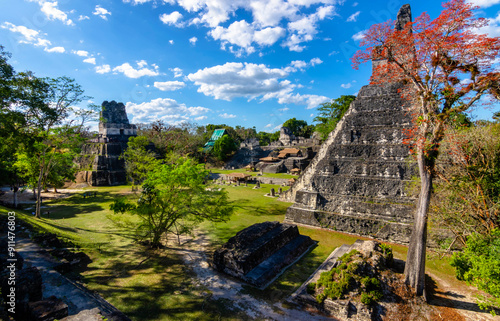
[[415, 261], [38, 194], [14, 190]]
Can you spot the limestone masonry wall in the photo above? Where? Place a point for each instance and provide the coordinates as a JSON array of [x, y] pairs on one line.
[[356, 182]]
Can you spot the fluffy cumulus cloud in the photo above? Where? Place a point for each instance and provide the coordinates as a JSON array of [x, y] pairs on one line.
[[81, 53], [169, 85], [166, 109], [103, 69], [142, 70], [101, 12], [193, 40], [55, 49], [177, 72], [304, 29], [233, 80], [294, 21], [484, 3], [52, 12], [302, 65], [27, 35], [252, 81], [90, 60], [173, 19]]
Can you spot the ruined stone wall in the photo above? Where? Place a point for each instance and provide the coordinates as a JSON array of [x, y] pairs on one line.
[[356, 182]]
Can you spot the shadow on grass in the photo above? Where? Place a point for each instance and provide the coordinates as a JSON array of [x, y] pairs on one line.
[[151, 286], [76, 205]]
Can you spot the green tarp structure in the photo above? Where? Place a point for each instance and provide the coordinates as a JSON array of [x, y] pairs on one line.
[[218, 133]]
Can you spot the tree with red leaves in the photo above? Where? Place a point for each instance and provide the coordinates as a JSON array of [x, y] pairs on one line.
[[447, 67]]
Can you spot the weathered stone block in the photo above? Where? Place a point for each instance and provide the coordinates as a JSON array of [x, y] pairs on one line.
[[258, 253], [49, 309]]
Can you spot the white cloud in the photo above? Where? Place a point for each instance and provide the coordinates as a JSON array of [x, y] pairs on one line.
[[493, 27], [53, 13], [348, 85], [484, 3], [200, 118], [165, 109], [353, 17], [268, 36], [316, 61], [169, 85], [233, 80], [177, 72], [90, 61], [284, 109], [244, 35], [55, 49], [82, 17], [251, 81], [28, 36], [172, 19], [104, 69], [81, 53], [301, 65], [101, 12], [301, 18], [358, 36], [226, 115], [305, 28], [193, 40], [141, 71], [171, 42]]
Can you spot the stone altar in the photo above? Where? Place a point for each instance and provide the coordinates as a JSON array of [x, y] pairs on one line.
[[262, 251]]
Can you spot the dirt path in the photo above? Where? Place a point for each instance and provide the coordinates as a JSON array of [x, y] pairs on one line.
[[462, 301], [194, 253], [448, 302]]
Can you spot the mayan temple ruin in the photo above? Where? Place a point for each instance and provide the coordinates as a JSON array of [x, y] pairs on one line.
[[100, 161], [356, 183]]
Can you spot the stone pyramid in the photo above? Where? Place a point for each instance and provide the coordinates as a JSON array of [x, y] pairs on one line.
[[356, 183]]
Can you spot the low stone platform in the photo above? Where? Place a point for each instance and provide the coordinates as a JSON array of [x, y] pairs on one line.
[[259, 253]]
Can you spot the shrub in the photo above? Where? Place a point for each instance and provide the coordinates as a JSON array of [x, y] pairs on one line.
[[479, 264]]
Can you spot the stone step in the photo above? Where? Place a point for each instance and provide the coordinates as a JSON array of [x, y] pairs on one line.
[[268, 270], [326, 266]]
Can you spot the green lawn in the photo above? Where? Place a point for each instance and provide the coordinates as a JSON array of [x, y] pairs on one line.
[[156, 285], [243, 170]]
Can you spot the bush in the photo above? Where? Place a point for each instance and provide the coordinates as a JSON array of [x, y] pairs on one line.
[[479, 264]]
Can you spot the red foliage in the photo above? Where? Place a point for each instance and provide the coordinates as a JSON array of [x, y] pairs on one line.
[[445, 63]]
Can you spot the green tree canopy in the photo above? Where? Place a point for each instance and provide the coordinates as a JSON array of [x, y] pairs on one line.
[[175, 199], [330, 113], [223, 147], [299, 127], [138, 160]]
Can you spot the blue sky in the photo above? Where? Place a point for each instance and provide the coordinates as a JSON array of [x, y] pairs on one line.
[[239, 62]]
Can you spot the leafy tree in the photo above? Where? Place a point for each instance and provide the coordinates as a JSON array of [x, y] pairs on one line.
[[467, 196], [138, 160], [46, 118], [175, 199], [223, 147], [479, 264], [447, 68], [299, 127], [330, 113]]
